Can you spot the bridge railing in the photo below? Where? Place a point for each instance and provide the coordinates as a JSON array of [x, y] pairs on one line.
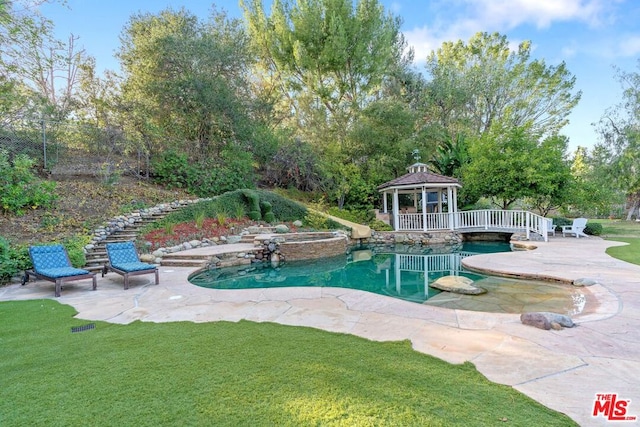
[[485, 219]]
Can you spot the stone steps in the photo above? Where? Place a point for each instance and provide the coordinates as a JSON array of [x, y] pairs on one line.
[[126, 230]]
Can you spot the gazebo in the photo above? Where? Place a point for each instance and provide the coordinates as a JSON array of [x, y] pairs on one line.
[[421, 200]]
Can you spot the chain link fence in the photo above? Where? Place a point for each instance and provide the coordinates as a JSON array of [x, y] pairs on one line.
[[75, 149]]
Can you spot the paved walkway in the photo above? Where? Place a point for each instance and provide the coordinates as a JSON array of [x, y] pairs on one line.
[[563, 370]]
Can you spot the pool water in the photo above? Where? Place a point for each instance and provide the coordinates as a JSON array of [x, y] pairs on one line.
[[404, 274]]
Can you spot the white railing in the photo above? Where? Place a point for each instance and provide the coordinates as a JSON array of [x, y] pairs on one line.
[[487, 219]]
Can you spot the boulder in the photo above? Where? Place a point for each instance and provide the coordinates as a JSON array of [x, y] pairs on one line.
[[281, 228], [458, 285], [546, 320], [148, 258], [560, 319], [233, 239], [536, 320], [585, 281]]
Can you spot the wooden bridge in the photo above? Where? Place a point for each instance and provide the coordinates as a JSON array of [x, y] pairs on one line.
[[486, 220]]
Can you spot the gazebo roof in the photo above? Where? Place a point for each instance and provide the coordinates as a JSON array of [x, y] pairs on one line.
[[419, 176]]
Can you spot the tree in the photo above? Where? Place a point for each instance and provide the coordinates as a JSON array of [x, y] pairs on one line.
[[450, 157], [185, 81], [619, 130], [46, 66], [509, 164], [324, 62], [591, 192], [476, 84], [324, 55], [555, 185]]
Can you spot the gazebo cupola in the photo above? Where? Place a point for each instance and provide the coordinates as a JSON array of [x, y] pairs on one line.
[[418, 198]]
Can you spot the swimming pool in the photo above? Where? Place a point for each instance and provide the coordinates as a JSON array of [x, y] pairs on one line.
[[405, 274]]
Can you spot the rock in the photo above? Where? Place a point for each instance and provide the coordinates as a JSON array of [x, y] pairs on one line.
[[149, 258], [546, 320], [536, 320], [585, 282], [233, 239], [458, 285], [560, 319], [297, 223], [281, 228], [195, 243], [400, 238]]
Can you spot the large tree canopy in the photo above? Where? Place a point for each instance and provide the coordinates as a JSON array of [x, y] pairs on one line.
[[619, 129], [185, 80], [476, 84], [327, 58], [323, 62], [509, 165]]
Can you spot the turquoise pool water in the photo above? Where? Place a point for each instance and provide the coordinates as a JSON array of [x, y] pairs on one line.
[[397, 272]]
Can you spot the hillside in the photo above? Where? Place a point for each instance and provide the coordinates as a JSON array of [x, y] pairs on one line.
[[83, 202]]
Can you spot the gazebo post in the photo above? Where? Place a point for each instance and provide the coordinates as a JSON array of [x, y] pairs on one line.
[[384, 203], [424, 208], [395, 209], [451, 209]]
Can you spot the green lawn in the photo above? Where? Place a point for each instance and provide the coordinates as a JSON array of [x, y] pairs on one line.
[[622, 231], [233, 374]]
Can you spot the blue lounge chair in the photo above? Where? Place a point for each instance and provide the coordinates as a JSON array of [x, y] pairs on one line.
[[52, 263], [124, 260]]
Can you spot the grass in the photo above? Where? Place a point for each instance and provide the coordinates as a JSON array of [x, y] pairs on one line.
[[232, 374], [622, 231]]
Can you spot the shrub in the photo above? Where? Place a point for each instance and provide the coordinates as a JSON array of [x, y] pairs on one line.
[[357, 216], [283, 209], [253, 199], [560, 221], [378, 225], [267, 212], [205, 178], [316, 220], [8, 263], [594, 229], [75, 248], [20, 187]]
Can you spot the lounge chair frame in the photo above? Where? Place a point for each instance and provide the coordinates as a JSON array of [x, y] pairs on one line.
[[577, 228], [128, 273], [58, 280]]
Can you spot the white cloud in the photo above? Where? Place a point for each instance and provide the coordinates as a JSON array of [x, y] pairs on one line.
[[630, 46], [459, 19], [541, 13]]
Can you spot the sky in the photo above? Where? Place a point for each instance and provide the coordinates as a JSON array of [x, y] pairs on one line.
[[593, 37]]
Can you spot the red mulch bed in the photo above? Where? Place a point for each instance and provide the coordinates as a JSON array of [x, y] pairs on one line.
[[187, 231]]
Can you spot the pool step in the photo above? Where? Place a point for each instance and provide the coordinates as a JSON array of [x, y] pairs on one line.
[[191, 259], [184, 263]]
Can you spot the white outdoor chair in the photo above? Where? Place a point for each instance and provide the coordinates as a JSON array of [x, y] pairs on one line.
[[551, 228], [577, 228]]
